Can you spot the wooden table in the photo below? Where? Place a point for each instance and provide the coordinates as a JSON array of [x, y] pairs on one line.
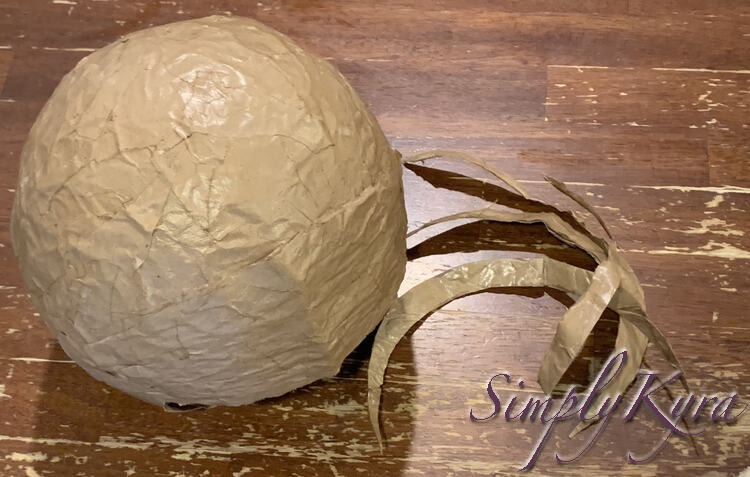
[[641, 106]]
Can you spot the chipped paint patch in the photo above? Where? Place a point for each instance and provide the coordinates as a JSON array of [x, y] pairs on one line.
[[104, 441], [715, 317], [2, 392], [581, 67], [30, 457], [725, 374], [711, 249], [718, 199], [703, 70], [246, 470], [30, 472], [707, 226], [718, 190], [337, 409], [652, 285], [188, 450]]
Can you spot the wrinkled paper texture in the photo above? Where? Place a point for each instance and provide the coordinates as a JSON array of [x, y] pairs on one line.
[[613, 284], [206, 213]]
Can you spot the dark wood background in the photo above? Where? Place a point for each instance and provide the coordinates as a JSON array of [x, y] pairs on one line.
[[641, 105]]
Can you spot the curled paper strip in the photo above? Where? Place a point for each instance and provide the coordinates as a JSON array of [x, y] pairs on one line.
[[461, 281], [579, 200], [577, 323], [613, 284], [469, 159], [554, 224], [634, 310]]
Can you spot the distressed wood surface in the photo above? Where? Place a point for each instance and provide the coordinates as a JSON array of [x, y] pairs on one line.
[[642, 106]]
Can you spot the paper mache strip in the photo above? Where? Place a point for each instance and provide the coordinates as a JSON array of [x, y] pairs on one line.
[[612, 284], [469, 159]]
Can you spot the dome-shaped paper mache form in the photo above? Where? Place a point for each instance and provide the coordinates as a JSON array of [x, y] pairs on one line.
[[206, 213]]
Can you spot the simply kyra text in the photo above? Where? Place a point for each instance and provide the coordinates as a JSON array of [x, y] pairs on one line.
[[684, 409]]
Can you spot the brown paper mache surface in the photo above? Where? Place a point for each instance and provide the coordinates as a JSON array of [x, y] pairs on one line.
[[206, 213]]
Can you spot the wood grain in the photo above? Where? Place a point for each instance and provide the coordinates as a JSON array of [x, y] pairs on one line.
[[642, 106]]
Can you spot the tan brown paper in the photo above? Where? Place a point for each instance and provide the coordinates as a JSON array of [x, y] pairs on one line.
[[579, 200], [207, 214], [568, 234], [462, 157], [612, 285]]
